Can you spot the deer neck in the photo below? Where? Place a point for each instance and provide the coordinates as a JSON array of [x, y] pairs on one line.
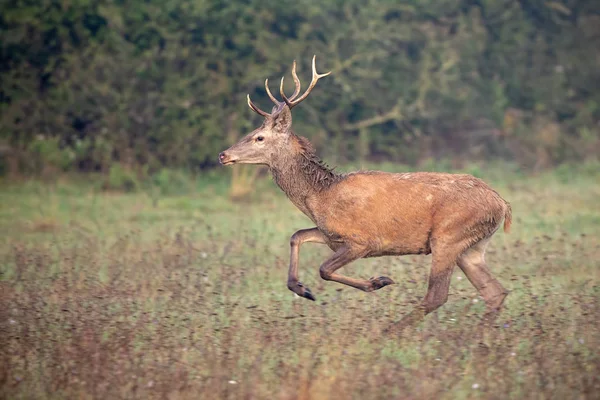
[[302, 175]]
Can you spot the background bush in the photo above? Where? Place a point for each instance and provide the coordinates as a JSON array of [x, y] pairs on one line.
[[163, 83]]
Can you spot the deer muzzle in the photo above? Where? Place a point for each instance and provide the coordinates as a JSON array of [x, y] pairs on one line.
[[226, 159]]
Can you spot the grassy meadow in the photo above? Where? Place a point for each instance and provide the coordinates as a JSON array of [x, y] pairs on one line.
[[177, 292]]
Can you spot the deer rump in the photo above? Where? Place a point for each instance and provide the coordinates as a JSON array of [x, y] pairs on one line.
[[400, 214]]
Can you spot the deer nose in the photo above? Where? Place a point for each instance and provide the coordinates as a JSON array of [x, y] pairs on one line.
[[222, 157]]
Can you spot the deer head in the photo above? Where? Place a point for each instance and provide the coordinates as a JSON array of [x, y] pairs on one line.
[[274, 137]]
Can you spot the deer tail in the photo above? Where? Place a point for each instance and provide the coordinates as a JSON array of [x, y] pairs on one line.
[[507, 218]]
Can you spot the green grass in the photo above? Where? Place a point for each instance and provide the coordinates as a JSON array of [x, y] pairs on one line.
[[144, 295]]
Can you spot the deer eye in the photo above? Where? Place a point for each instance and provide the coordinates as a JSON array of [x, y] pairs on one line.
[[260, 138]]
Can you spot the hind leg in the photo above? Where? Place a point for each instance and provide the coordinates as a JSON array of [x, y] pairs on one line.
[[443, 263], [472, 263], [344, 256]]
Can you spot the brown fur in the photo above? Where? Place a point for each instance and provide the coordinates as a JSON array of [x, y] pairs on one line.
[[390, 213], [372, 213]]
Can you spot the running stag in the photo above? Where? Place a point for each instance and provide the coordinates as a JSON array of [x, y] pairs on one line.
[[372, 214]]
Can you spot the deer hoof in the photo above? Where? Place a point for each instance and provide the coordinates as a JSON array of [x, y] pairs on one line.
[[301, 290], [309, 295], [382, 281]]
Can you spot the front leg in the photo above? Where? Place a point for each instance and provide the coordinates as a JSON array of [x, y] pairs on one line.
[[303, 235]]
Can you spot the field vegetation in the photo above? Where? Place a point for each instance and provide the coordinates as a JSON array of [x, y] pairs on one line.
[[173, 290]]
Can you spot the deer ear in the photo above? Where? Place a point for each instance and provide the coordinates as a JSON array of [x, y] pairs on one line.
[[283, 120]]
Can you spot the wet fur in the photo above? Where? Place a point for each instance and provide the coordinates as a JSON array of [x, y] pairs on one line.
[[317, 175]]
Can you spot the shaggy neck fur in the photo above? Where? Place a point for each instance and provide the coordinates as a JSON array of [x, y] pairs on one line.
[[302, 173]]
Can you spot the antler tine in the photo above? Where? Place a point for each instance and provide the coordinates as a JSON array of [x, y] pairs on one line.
[[296, 81], [296, 91], [255, 108], [287, 101], [315, 77], [273, 99]]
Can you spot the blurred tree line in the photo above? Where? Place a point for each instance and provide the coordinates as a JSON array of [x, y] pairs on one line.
[[155, 83]]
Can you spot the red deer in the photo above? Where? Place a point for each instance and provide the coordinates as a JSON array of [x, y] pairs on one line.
[[371, 213]]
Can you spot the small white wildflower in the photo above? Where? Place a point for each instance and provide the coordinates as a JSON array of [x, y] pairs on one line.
[[475, 386], [459, 278], [452, 319], [12, 321], [150, 384], [438, 359], [513, 354], [232, 382], [203, 255], [475, 301]]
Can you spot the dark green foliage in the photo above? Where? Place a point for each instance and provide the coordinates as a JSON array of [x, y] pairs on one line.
[[162, 83]]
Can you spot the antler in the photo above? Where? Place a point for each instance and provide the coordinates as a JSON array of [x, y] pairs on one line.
[[291, 101], [279, 104], [255, 108]]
